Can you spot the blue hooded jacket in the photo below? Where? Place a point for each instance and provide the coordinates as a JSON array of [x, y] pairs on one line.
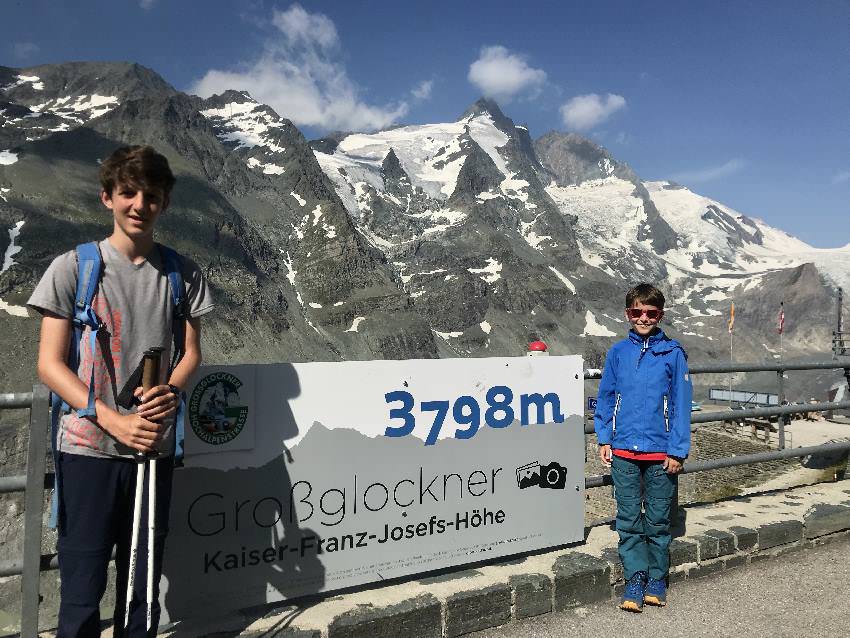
[[644, 402]]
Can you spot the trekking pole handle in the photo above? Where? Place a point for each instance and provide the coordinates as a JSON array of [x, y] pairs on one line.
[[150, 373], [150, 369]]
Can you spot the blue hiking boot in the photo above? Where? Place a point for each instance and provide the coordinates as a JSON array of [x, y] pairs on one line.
[[634, 593], [656, 593]]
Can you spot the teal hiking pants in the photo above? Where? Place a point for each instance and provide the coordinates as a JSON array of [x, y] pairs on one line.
[[644, 492]]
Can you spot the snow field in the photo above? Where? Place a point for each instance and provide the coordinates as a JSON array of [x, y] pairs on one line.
[[248, 124], [491, 273], [593, 328], [11, 250]]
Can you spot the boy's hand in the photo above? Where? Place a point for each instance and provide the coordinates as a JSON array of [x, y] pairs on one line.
[[157, 403], [672, 466], [134, 431], [605, 455]]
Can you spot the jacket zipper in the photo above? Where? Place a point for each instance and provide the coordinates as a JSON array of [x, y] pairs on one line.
[[666, 420], [614, 418], [643, 349]]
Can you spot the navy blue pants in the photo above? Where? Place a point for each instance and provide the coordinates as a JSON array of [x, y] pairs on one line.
[[95, 515], [644, 493]]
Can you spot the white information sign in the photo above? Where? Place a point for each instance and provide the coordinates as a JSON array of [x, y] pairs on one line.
[[305, 478]]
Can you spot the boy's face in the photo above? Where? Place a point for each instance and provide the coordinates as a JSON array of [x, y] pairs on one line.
[[135, 209], [643, 317]]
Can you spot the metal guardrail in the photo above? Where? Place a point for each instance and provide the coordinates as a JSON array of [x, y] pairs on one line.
[[32, 484], [732, 461], [709, 368], [839, 363], [48, 562], [748, 413], [767, 366], [15, 400], [736, 415], [36, 479], [10, 484], [18, 483]]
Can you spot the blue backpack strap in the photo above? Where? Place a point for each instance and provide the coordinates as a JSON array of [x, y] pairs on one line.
[[174, 269], [89, 266]]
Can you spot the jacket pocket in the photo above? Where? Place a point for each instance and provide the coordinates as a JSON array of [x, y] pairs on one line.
[[666, 416]]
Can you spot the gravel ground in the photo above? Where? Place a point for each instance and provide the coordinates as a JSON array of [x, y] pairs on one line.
[[798, 595]]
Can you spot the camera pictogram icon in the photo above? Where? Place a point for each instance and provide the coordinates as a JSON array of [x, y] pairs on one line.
[[551, 476]]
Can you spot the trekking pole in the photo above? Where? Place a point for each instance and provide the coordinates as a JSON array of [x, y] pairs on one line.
[[150, 378], [134, 540]]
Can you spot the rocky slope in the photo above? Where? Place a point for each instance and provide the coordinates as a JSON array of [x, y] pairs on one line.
[[465, 238]]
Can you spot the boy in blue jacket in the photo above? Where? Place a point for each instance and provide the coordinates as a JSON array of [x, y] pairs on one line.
[[642, 424]]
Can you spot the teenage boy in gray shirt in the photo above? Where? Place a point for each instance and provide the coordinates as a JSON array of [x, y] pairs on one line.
[[96, 454]]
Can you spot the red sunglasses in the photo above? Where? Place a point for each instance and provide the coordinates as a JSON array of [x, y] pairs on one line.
[[651, 313]]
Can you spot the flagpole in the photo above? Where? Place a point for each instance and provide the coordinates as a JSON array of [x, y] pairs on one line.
[[731, 362]]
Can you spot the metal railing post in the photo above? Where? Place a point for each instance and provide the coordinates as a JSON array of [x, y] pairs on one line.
[[34, 501]]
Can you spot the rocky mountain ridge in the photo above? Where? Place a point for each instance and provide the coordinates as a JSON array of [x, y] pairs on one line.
[[465, 238]]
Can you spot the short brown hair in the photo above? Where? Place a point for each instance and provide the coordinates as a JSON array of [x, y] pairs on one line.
[[647, 294], [139, 166]]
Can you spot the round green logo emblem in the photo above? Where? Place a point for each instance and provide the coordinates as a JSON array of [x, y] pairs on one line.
[[215, 413]]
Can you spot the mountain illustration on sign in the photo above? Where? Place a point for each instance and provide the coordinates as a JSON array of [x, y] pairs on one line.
[[218, 412]]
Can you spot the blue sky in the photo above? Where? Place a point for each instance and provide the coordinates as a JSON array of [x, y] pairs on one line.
[[746, 102]]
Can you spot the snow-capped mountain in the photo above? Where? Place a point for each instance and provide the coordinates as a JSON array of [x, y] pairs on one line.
[[705, 252], [459, 212], [464, 238], [46, 99]]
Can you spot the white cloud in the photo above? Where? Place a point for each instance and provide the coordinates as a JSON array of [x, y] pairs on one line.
[[840, 178], [299, 74], [422, 91], [710, 173], [308, 29], [586, 111], [25, 50], [502, 75], [146, 4]]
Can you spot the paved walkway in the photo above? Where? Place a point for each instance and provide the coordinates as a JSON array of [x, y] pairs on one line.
[[799, 595], [804, 434]]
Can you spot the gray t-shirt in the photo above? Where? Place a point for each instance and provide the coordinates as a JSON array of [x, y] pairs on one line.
[[133, 303]]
